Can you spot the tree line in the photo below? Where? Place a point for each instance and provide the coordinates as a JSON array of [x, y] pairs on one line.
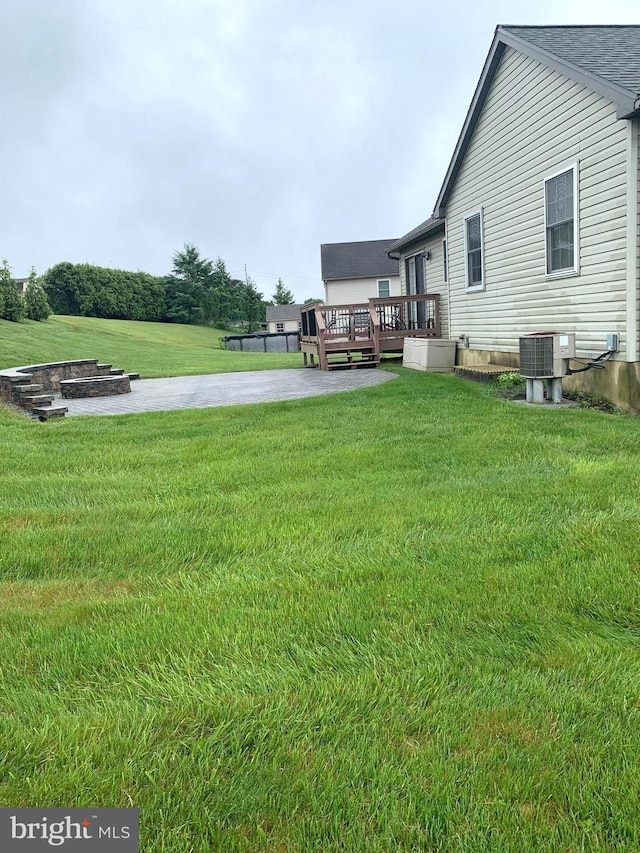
[[197, 291], [13, 307]]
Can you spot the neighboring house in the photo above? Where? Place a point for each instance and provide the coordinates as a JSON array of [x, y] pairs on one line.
[[21, 284], [355, 272], [536, 226], [283, 318]]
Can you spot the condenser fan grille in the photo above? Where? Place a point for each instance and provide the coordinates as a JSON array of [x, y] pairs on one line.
[[536, 356]]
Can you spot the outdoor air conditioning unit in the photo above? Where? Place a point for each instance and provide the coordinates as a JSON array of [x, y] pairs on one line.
[[545, 355]]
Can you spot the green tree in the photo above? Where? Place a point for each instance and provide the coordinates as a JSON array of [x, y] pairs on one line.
[[35, 299], [309, 301], [282, 296], [188, 286], [11, 303], [91, 291], [254, 308], [222, 295]]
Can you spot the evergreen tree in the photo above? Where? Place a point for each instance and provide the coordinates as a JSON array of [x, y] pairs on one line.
[[35, 299], [188, 286], [11, 303], [254, 309], [282, 296], [222, 296]]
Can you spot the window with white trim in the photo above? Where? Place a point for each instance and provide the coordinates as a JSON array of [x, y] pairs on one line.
[[561, 221], [384, 287], [473, 250]]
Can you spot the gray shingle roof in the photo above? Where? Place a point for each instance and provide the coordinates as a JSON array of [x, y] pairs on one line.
[[280, 313], [430, 226], [610, 52], [357, 260], [605, 59]]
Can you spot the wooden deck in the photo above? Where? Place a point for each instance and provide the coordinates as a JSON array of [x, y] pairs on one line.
[[343, 336]]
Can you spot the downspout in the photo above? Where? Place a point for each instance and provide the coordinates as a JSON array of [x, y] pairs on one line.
[[633, 238]]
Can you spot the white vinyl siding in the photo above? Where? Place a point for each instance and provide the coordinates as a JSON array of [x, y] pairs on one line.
[[473, 251], [433, 275], [357, 290], [534, 124], [561, 217], [283, 326]]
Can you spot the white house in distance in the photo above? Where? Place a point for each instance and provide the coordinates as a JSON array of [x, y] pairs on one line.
[[537, 224], [355, 272], [283, 318]]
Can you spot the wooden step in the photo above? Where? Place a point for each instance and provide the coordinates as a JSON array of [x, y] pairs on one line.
[[45, 413], [483, 372]]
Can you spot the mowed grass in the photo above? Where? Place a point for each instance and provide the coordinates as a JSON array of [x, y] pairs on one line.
[[151, 349], [399, 619]]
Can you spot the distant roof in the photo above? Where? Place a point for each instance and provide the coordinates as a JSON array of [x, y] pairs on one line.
[[280, 313], [367, 258], [430, 226]]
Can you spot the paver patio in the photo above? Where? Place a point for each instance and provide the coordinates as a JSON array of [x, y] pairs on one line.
[[226, 389]]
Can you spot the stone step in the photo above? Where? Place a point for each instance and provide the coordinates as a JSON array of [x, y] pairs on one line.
[[20, 390], [31, 401], [133, 376], [25, 379], [116, 371], [103, 369], [45, 413]]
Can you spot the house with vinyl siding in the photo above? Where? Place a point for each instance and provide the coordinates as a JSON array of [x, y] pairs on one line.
[[283, 318], [353, 273], [536, 226]]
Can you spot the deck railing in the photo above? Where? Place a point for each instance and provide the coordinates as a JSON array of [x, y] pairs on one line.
[[408, 316], [382, 322]]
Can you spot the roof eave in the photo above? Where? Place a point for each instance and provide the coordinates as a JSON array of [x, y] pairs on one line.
[[627, 102], [410, 238], [473, 114], [623, 98]]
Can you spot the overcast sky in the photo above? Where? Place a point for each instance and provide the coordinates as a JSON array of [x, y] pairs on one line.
[[256, 129]]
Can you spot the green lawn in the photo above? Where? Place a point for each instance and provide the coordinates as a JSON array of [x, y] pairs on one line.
[[151, 349], [399, 619]]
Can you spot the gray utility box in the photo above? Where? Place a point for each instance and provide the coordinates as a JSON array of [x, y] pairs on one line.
[[544, 355]]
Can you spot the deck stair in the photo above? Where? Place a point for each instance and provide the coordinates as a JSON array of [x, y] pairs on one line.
[[483, 372], [354, 335]]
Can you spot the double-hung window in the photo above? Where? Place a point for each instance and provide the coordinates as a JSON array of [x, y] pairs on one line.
[[384, 287], [473, 249], [561, 221]]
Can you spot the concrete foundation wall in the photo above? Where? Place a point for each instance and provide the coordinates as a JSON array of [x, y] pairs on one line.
[[619, 382]]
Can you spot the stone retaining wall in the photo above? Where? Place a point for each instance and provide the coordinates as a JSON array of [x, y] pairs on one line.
[[96, 386], [50, 375]]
